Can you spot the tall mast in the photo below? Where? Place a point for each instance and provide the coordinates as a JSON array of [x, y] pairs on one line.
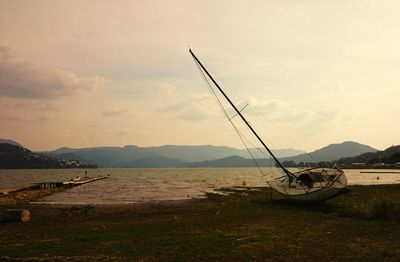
[[287, 172]]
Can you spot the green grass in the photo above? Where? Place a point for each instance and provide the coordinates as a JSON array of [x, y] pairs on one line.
[[255, 226]]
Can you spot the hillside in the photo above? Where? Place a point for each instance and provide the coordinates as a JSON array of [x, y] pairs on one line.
[[389, 156], [131, 156], [233, 161], [155, 162], [197, 156], [332, 152], [17, 157], [9, 141]]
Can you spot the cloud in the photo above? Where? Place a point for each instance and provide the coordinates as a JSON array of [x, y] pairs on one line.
[[114, 112], [166, 89], [84, 36], [24, 79], [326, 114], [194, 114], [281, 111], [201, 106], [189, 107], [29, 110], [32, 119], [28, 105], [6, 53], [186, 102], [173, 107]]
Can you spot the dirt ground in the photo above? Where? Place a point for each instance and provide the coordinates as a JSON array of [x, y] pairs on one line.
[[242, 226]]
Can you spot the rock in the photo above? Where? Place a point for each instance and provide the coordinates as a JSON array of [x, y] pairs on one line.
[[15, 215]]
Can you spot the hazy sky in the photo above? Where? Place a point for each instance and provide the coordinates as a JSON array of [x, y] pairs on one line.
[[91, 73]]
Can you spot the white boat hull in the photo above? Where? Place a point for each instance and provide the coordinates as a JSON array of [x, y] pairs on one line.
[[318, 196], [320, 185]]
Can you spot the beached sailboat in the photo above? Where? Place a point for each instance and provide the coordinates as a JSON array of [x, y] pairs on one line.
[[307, 185]]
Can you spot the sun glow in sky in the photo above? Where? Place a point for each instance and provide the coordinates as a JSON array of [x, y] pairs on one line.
[[102, 73]]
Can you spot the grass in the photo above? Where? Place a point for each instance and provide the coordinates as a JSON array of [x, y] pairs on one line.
[[385, 206], [244, 226]]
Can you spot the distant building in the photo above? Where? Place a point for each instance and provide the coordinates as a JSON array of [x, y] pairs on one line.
[[358, 164]]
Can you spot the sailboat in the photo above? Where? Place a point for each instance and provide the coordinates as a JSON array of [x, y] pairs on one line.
[[307, 185]]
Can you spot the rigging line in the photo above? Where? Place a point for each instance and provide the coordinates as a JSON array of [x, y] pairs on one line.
[[287, 172], [248, 150], [268, 129], [239, 111], [264, 154], [227, 116], [256, 148], [257, 112], [244, 98], [258, 115], [260, 150], [212, 91], [291, 139], [272, 138], [240, 134], [242, 137]]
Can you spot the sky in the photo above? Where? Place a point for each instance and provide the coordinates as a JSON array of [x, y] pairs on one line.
[[114, 73]]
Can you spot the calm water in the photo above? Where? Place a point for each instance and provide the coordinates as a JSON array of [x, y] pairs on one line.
[[146, 185]]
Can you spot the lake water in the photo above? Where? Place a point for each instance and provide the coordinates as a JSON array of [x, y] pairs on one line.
[[147, 185]]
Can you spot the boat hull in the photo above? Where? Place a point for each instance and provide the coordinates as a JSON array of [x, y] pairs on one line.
[[318, 196], [319, 185]]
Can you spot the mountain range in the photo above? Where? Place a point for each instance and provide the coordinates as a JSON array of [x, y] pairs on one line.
[[14, 156], [196, 156], [135, 156], [389, 156], [332, 152], [199, 156]]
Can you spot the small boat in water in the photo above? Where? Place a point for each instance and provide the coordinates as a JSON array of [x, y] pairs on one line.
[[308, 185]]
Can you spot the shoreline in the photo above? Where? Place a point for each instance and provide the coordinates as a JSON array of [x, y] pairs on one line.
[[31, 196], [243, 225]]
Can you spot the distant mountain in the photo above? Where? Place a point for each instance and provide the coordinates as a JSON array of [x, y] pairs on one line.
[[103, 156], [155, 162], [194, 156], [287, 152], [127, 155], [332, 152], [198, 156], [233, 161], [9, 141], [72, 156], [390, 155], [18, 157]]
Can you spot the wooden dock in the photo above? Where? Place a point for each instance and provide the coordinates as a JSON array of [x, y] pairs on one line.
[[45, 185], [73, 183], [6, 191]]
